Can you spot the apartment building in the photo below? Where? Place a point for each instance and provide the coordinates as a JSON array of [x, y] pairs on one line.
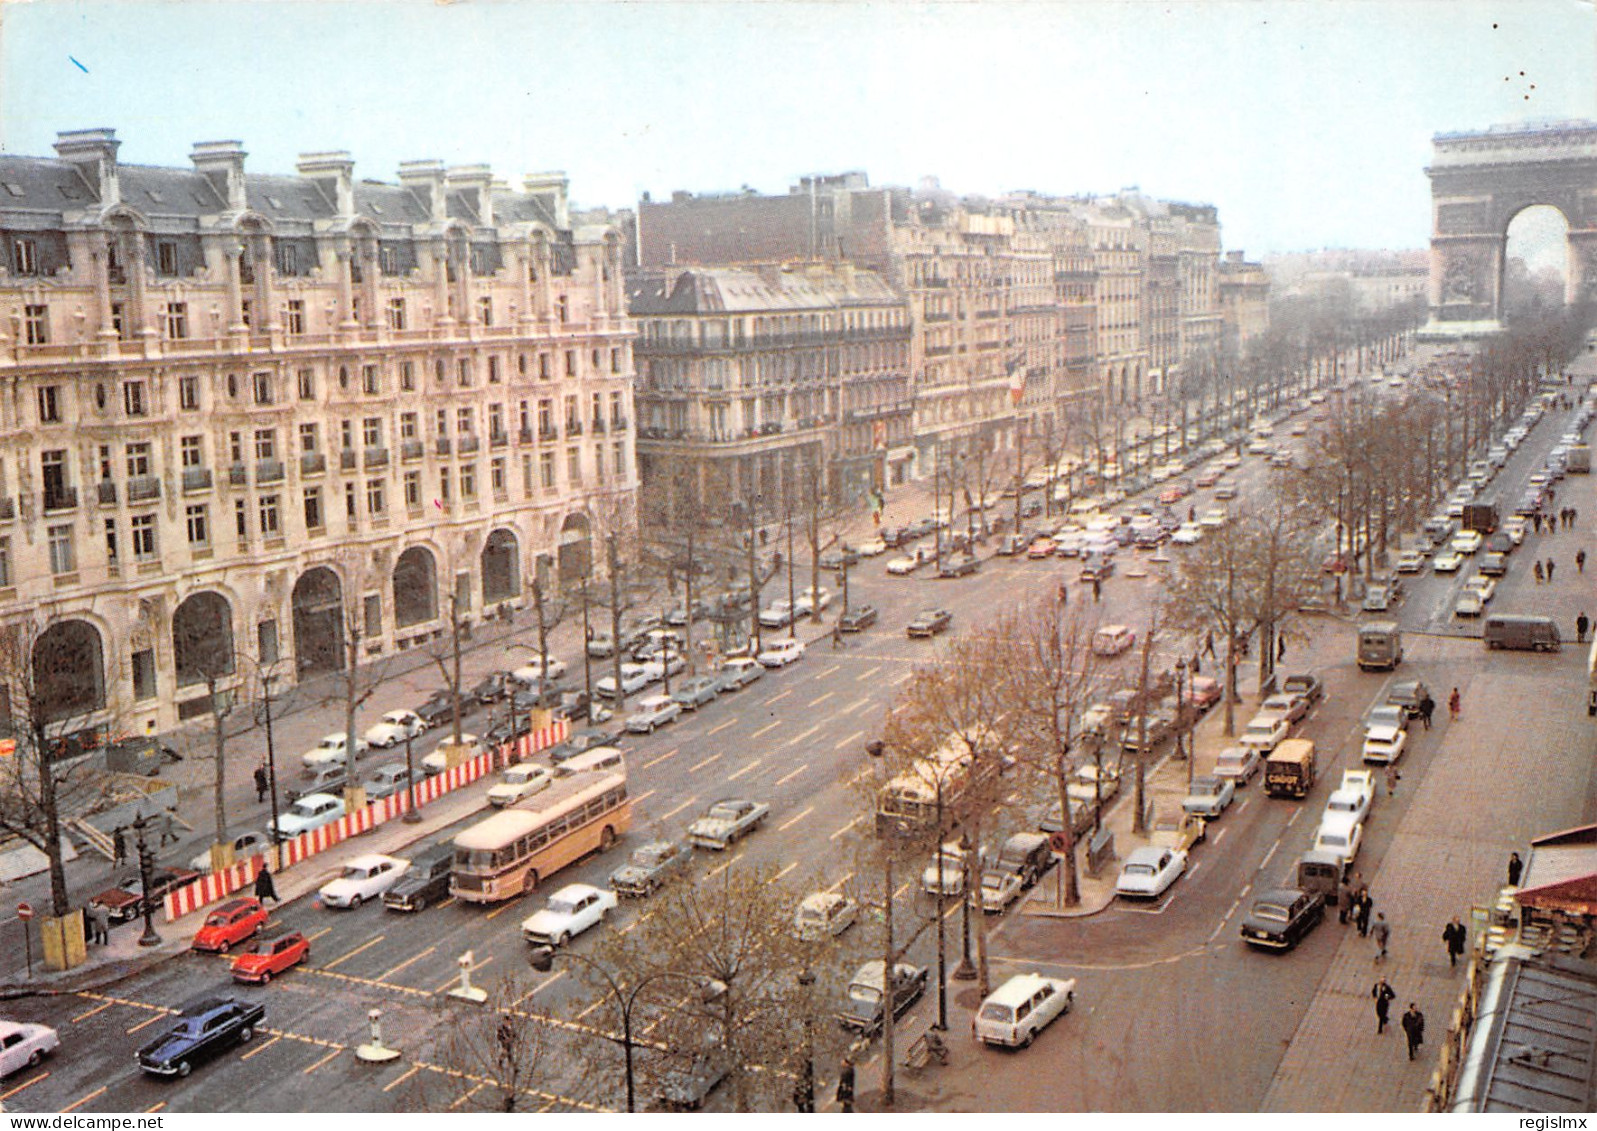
[[262, 421]]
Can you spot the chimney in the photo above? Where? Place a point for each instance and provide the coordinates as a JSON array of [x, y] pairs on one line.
[[93, 153], [334, 173], [553, 185], [426, 180], [222, 163], [475, 183]]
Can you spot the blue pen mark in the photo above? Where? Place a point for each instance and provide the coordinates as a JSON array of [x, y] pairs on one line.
[[79, 65]]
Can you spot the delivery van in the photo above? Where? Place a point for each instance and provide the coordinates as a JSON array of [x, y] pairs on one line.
[[1289, 770], [1380, 646], [1522, 633]]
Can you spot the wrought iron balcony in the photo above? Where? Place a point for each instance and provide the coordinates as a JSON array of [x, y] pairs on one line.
[[266, 471], [105, 490], [346, 459], [238, 475], [442, 445], [375, 457], [311, 463], [142, 488], [196, 479], [412, 449], [61, 499], [468, 443]]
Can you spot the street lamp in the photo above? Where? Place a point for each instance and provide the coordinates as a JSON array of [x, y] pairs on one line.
[[966, 970], [267, 679], [804, 1091], [1181, 717], [149, 937]]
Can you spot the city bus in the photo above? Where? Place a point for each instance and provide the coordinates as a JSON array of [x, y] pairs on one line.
[[908, 802], [507, 854]]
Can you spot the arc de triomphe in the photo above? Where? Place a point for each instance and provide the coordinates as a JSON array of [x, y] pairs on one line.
[[1479, 183]]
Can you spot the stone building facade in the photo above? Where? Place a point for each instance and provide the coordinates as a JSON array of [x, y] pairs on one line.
[[289, 413], [1244, 290]]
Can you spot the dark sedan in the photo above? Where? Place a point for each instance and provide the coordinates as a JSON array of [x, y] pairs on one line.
[[201, 1031], [858, 618], [425, 881], [1280, 919], [930, 622], [582, 741], [862, 1010], [492, 688], [440, 708]]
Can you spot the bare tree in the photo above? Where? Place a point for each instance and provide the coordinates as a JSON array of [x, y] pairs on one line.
[[494, 1058], [208, 657]]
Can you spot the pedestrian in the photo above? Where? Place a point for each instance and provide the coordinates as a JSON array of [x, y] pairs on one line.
[[1427, 706], [260, 783], [1208, 644], [99, 923], [1580, 561], [1455, 705], [1414, 1028], [1454, 936], [776, 560], [264, 887], [1381, 931], [1536, 523], [1280, 648], [1582, 625], [837, 635], [845, 1084], [1197, 663], [1538, 571], [167, 835], [1383, 993], [119, 847], [1097, 590], [1064, 593], [1549, 571], [1192, 514], [1344, 900], [1516, 868], [1392, 778], [804, 1088], [1361, 910]]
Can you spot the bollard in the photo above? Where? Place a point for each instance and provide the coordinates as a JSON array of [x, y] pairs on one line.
[[376, 1052], [466, 991]]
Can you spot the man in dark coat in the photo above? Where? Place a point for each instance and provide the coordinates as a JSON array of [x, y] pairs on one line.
[[1414, 1028], [1454, 935], [1383, 993], [260, 783], [119, 846], [845, 1085], [1362, 903], [1516, 868], [1427, 706], [264, 887]]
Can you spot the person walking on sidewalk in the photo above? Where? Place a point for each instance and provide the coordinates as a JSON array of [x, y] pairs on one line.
[[1582, 626], [260, 783], [1580, 561], [1381, 931], [1383, 993], [1455, 705], [1537, 570], [264, 887], [99, 924], [1455, 936], [1516, 868], [1427, 705], [1361, 910], [1097, 590], [1392, 778], [1414, 1028], [1549, 571], [1344, 900], [119, 847], [845, 1085]]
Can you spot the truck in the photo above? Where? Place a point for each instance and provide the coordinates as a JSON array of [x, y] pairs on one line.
[[1380, 646], [1289, 769], [1480, 517], [1578, 461]]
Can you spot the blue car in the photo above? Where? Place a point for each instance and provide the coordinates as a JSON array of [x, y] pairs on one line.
[[201, 1031]]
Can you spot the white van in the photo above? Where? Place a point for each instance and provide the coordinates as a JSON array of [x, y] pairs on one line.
[[1015, 1011], [599, 758]]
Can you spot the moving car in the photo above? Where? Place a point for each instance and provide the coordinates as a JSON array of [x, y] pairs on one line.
[[1291, 707], [651, 712], [570, 911], [1485, 586], [365, 877], [778, 614], [521, 780], [492, 687], [1378, 597], [727, 822], [1014, 1013], [781, 653], [533, 673], [651, 866], [1265, 732], [234, 922], [1353, 804], [1238, 764], [824, 915], [330, 750], [1187, 534], [201, 1031], [126, 900], [1041, 547], [929, 622], [1411, 561], [1280, 918], [1090, 783], [858, 618], [738, 672], [691, 694], [1149, 871], [813, 600], [685, 1087], [1493, 565], [905, 564], [24, 1045], [581, 743], [425, 881], [959, 567], [394, 728], [634, 678], [1469, 604], [270, 957], [1466, 542], [1208, 796], [867, 990], [1447, 561], [1113, 639]]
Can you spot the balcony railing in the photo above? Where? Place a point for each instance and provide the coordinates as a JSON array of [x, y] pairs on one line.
[[61, 499], [266, 471], [105, 490], [375, 457], [142, 488], [312, 463], [498, 439], [196, 479], [618, 424], [442, 445], [468, 443], [598, 425], [8, 509], [238, 475], [412, 449], [548, 434], [524, 436], [346, 459]]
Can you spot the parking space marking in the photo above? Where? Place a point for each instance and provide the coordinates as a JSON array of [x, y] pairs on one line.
[[147, 1022], [260, 1048], [791, 821], [846, 878], [671, 753], [75, 1104], [767, 728], [500, 910], [330, 1056], [723, 866], [28, 1083], [541, 986], [719, 727], [637, 922], [790, 775], [679, 808], [903, 678], [850, 740], [97, 1009], [400, 1079], [819, 699], [697, 766], [464, 1097], [745, 769], [318, 934], [367, 945], [848, 826], [389, 973], [867, 673], [156, 1108], [642, 797], [800, 738], [781, 695]]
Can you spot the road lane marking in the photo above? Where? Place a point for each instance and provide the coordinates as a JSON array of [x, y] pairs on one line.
[[828, 671], [387, 974], [700, 765], [791, 821], [854, 706], [715, 730], [317, 935], [671, 753], [818, 700], [148, 1022], [330, 1056], [850, 740], [260, 1048], [841, 882], [867, 673], [790, 776], [903, 678], [25, 1084], [679, 808], [745, 769], [767, 728], [784, 871], [1219, 836], [718, 869], [498, 911], [782, 695], [637, 922], [398, 1080], [79, 1103], [901, 888], [594, 1004], [802, 737], [848, 826], [92, 1012], [367, 945], [156, 1108], [642, 797]]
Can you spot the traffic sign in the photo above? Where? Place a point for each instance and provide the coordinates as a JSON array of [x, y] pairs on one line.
[[24, 911]]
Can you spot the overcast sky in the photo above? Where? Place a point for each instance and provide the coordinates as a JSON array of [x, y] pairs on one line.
[[1308, 123]]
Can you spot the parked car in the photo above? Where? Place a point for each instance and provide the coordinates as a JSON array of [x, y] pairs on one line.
[[520, 781], [439, 708], [1378, 597], [904, 565], [235, 921], [1202, 692], [570, 911], [652, 712], [1238, 764], [201, 1031], [634, 678], [386, 780], [245, 845], [332, 779], [309, 812], [738, 672], [691, 694], [998, 889], [1011, 544], [1208, 796], [858, 618], [425, 881], [581, 743], [1096, 567], [1014, 1013], [393, 728], [24, 1045], [726, 822], [365, 877], [1280, 918], [778, 614], [781, 653], [651, 866], [1306, 687], [329, 751], [686, 1086], [1340, 835], [1090, 782], [533, 673], [1384, 745], [959, 567], [930, 622], [1265, 732], [493, 687], [270, 957], [1291, 707], [1408, 694], [824, 915], [1149, 871], [450, 753], [867, 991], [125, 901]]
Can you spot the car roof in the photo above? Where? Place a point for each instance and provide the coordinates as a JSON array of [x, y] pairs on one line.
[[574, 891], [1277, 895], [1019, 988], [369, 860], [315, 798]]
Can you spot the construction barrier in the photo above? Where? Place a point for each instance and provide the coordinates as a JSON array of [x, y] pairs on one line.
[[218, 885]]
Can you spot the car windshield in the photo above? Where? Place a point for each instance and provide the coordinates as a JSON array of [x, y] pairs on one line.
[[352, 872], [651, 857], [992, 1011], [1139, 869], [723, 813], [562, 906], [1275, 911]]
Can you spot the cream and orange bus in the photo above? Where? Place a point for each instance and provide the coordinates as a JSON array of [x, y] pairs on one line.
[[507, 854]]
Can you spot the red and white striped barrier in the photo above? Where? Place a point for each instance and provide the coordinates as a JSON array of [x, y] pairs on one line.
[[218, 885]]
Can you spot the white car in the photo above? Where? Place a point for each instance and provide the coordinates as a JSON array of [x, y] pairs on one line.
[[651, 712], [1016, 1011], [824, 915], [667, 663], [813, 601], [245, 845], [309, 812], [782, 653], [1466, 542], [778, 614], [1483, 585], [1265, 732], [1187, 534], [1214, 516], [1149, 871], [331, 750], [999, 889], [1352, 803], [521, 780], [1208, 796], [1384, 744], [871, 547], [1238, 764], [24, 1045], [571, 910], [363, 878], [438, 761], [946, 872], [529, 675], [634, 677], [1469, 604], [394, 728], [905, 565], [1113, 639], [1340, 835], [738, 672], [1447, 561], [1411, 561]]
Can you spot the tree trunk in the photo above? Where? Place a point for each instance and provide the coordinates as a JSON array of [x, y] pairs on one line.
[[219, 744], [889, 1031]]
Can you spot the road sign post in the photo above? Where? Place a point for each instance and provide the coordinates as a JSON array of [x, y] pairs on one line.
[[25, 913]]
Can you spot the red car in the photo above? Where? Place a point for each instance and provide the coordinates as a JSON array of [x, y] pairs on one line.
[[1204, 692], [234, 922], [1041, 548], [271, 956]]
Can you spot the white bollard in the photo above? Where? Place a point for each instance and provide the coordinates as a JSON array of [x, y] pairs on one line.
[[376, 1052], [466, 991]]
